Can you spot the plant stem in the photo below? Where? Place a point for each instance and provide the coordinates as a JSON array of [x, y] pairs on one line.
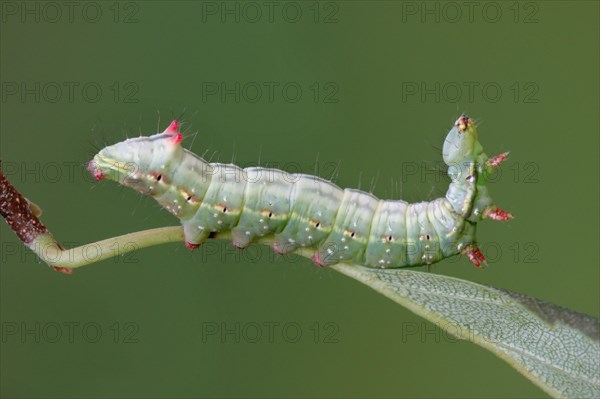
[[48, 249]]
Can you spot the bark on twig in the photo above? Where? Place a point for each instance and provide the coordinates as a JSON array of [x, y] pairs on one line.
[[19, 216]]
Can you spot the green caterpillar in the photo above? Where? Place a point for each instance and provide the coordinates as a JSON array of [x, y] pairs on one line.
[[300, 210]]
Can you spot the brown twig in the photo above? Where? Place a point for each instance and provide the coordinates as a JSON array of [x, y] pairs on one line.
[[19, 216]]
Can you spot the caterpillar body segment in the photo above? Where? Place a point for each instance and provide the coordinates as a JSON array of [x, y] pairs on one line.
[[266, 205], [303, 211], [314, 207], [221, 206], [388, 235]]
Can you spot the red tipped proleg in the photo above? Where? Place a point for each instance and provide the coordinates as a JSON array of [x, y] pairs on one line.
[[64, 270], [192, 246], [315, 258]]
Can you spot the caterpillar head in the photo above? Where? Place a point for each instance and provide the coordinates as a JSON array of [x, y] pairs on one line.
[[461, 144], [138, 162]]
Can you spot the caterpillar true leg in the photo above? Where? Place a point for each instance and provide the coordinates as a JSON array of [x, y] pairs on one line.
[[302, 211], [497, 160], [496, 214]]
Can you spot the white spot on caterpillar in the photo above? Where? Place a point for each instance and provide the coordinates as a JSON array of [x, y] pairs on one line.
[[329, 251], [247, 233], [219, 222], [387, 251], [346, 247]]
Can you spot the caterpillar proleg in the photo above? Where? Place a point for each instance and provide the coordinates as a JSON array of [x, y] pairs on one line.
[[303, 211]]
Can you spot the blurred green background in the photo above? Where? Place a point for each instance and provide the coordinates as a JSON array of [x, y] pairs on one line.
[[372, 85]]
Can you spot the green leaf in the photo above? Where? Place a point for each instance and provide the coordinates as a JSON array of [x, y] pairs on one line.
[[556, 348]]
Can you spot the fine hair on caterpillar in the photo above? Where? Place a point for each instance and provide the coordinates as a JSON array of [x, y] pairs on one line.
[[304, 211]]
